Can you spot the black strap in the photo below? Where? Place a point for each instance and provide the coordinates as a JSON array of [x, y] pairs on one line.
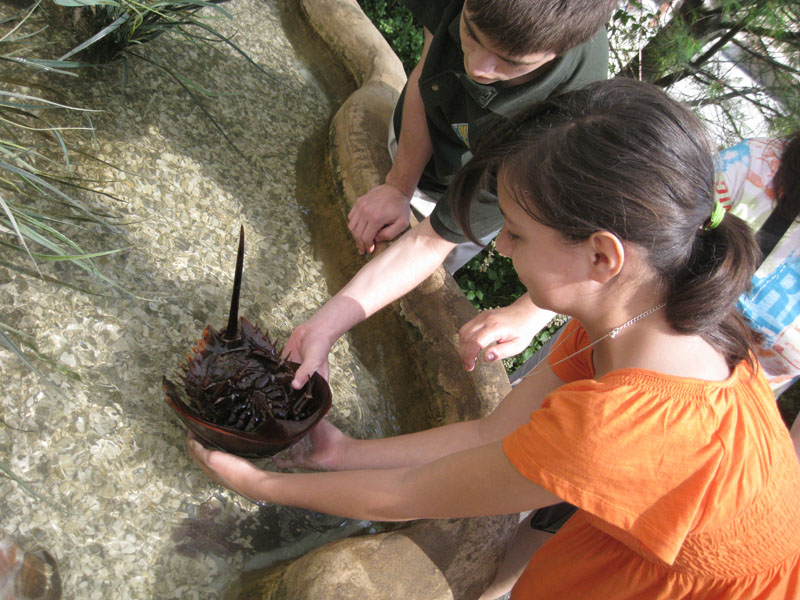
[[551, 518], [772, 231]]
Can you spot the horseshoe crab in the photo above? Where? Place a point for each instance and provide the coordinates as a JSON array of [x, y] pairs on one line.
[[238, 395]]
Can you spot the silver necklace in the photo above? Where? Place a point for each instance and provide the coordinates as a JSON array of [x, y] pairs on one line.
[[611, 334]]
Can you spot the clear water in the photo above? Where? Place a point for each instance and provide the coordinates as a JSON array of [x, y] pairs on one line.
[[123, 510]]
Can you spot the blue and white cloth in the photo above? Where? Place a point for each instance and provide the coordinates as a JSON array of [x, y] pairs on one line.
[[744, 174]]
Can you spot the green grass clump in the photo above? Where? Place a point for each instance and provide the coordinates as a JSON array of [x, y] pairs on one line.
[[40, 204], [116, 30], [114, 27], [39, 195], [398, 26]]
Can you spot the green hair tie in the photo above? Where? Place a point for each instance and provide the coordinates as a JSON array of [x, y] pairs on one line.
[[716, 216]]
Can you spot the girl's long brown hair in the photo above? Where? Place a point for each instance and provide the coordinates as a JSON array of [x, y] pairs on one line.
[[621, 156]]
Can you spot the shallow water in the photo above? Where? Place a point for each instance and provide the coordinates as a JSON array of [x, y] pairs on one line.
[[130, 516]]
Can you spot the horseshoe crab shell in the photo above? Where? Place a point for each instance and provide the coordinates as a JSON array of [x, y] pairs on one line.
[[237, 392], [27, 575], [272, 437]]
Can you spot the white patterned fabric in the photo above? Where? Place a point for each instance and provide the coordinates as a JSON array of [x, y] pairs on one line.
[[744, 174]]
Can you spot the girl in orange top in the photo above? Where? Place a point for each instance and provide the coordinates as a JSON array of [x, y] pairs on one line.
[[651, 415]]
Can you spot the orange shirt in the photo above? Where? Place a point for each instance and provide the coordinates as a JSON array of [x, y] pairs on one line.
[[686, 488]]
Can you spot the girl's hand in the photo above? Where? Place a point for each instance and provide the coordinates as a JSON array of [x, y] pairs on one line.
[[226, 469], [321, 450], [502, 332]]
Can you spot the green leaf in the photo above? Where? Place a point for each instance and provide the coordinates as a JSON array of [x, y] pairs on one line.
[[79, 3], [8, 473], [98, 36], [10, 345]]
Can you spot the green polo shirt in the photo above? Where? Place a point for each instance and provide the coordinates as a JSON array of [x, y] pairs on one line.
[[459, 110]]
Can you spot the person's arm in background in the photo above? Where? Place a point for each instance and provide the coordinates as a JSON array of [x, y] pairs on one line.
[[385, 278], [384, 212]]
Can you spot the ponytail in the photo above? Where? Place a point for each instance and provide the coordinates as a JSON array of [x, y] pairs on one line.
[[703, 295]]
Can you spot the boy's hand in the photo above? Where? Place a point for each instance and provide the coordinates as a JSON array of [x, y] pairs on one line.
[[311, 351], [380, 215]]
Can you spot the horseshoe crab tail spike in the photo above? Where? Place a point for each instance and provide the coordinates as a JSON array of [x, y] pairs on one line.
[[233, 318]]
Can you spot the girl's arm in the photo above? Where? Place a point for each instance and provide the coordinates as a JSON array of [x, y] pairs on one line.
[[429, 445], [503, 332], [475, 482], [329, 448]]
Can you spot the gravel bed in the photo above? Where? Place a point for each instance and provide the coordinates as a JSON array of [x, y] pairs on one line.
[[129, 515]]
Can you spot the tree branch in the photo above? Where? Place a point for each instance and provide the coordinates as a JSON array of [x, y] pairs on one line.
[[766, 58], [668, 80], [684, 14], [741, 93], [773, 34], [617, 57], [762, 107]]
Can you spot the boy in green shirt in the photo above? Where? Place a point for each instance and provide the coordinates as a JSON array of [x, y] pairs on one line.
[[465, 81], [482, 60]]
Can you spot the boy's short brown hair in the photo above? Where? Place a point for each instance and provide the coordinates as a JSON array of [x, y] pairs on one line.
[[522, 27]]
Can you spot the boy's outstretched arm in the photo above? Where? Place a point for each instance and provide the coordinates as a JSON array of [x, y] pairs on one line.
[[385, 278]]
